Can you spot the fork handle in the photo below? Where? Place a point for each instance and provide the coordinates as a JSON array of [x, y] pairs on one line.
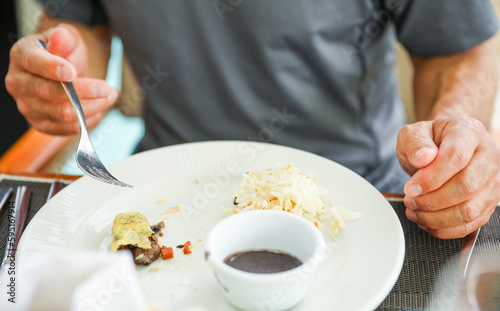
[[468, 243], [73, 98]]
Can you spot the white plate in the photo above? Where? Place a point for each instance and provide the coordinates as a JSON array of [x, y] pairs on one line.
[[363, 265]]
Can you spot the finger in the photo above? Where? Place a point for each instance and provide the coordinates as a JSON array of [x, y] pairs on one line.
[[460, 214], [64, 128], [67, 42], [462, 230], [415, 147], [38, 109], [95, 106], [455, 152], [460, 188], [62, 111], [62, 41], [29, 85], [32, 58]]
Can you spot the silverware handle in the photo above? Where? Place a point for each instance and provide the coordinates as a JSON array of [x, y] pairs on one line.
[[20, 211], [55, 187], [4, 196], [75, 102], [73, 98], [468, 243]]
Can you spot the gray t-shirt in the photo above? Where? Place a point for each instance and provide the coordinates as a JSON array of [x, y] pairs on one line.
[[318, 75]]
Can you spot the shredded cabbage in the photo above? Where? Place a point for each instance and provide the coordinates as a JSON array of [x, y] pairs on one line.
[[287, 189]]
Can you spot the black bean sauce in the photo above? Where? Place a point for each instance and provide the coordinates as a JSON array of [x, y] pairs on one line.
[[262, 261]]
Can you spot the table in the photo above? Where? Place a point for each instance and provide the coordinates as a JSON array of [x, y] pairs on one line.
[[426, 258]]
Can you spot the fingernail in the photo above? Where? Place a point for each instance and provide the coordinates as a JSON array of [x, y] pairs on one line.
[[411, 215], [410, 203], [64, 73], [100, 90], [413, 190]]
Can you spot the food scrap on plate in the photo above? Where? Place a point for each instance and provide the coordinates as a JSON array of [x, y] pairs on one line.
[[132, 231]]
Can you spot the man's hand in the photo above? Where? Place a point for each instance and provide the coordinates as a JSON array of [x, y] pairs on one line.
[[34, 79], [455, 168]]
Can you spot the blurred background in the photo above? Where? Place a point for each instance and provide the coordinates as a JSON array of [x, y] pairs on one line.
[[12, 123], [19, 18]]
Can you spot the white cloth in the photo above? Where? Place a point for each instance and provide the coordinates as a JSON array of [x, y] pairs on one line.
[[75, 281]]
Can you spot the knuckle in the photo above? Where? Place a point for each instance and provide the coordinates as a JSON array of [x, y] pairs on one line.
[[64, 113], [426, 204], [467, 186], [42, 88], [458, 158], [10, 83], [57, 111], [476, 125], [23, 108], [492, 166], [27, 60], [468, 212], [405, 129]]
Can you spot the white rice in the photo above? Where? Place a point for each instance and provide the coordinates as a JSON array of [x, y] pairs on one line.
[[286, 189]]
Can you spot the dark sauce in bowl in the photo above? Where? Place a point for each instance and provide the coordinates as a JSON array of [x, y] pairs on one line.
[[262, 261]]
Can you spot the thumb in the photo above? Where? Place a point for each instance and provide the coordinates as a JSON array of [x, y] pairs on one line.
[[62, 41], [422, 154], [416, 147]]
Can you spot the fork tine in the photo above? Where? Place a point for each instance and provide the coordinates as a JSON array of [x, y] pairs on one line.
[[115, 181], [104, 175], [90, 171], [99, 172]]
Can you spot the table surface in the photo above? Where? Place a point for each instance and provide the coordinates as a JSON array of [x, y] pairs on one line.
[[427, 259]]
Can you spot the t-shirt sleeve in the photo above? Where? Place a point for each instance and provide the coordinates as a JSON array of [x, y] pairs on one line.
[[438, 27], [88, 12]]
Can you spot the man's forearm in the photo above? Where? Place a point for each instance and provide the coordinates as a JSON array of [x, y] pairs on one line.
[[461, 84], [97, 40]]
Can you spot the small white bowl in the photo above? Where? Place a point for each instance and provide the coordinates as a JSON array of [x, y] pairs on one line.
[[264, 230]]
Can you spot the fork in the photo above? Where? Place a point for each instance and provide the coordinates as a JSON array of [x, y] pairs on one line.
[[468, 243], [86, 157], [468, 299]]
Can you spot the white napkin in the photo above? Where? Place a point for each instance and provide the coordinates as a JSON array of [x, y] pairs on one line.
[[75, 281]]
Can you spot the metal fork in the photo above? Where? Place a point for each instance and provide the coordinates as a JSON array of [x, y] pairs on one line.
[[468, 243], [468, 299], [86, 157]]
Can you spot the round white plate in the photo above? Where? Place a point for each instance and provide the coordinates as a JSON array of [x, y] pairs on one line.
[[363, 265]]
